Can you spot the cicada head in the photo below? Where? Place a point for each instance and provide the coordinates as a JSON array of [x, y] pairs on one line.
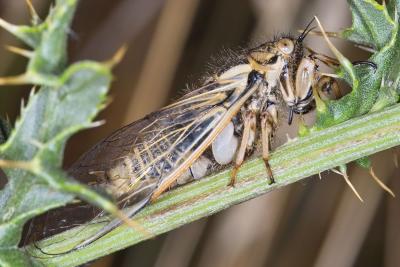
[[285, 51], [298, 76], [274, 55]]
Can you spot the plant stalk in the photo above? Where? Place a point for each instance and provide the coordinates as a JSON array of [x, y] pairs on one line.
[[296, 160]]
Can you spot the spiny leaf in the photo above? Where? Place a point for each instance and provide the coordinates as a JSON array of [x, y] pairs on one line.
[[67, 102], [50, 117], [51, 54], [30, 35], [372, 24], [49, 40]]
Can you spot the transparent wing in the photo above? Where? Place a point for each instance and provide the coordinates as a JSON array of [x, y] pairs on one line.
[[134, 160], [146, 151]]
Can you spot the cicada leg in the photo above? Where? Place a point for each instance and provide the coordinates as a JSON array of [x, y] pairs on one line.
[[327, 60], [268, 124], [334, 63], [246, 143]]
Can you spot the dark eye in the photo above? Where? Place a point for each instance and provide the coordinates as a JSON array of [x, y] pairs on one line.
[[273, 60]]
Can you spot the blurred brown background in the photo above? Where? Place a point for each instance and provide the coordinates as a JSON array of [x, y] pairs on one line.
[[312, 223]]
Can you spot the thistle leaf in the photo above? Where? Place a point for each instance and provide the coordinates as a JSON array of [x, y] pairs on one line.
[[377, 26], [66, 100], [372, 24]]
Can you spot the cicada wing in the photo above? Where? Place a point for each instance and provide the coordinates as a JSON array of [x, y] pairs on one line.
[[197, 128], [131, 163], [99, 157]]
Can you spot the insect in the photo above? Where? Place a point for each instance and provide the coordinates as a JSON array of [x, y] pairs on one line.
[[230, 117]]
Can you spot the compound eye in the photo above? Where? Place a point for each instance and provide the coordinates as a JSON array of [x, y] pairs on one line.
[[286, 46]]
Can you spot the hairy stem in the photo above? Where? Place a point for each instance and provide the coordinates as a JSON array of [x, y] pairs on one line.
[[296, 160]]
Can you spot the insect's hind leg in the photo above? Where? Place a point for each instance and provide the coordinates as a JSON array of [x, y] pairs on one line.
[[246, 143], [268, 124]]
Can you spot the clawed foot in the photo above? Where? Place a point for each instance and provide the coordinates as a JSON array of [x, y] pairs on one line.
[[269, 172], [232, 182], [271, 179]]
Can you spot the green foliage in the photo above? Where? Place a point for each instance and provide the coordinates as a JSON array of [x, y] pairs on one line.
[[65, 101], [375, 26], [372, 24]]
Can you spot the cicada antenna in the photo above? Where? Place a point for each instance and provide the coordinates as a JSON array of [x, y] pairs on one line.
[[306, 31]]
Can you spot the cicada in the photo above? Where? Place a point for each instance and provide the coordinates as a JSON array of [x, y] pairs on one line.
[[230, 117]]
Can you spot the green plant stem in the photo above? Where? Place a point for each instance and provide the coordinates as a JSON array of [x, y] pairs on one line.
[[296, 160]]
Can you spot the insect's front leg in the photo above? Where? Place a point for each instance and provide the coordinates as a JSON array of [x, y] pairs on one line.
[[269, 120], [246, 143], [334, 63]]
